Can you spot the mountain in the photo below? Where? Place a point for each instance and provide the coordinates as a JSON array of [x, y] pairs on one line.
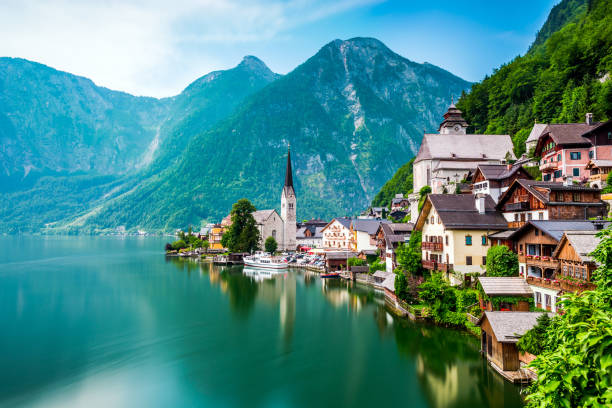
[[564, 75], [353, 113], [68, 146], [54, 123]]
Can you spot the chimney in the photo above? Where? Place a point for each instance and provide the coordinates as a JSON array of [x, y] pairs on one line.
[[480, 203], [509, 166], [589, 119]]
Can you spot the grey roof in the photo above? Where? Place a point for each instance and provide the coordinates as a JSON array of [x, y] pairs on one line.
[[536, 132], [583, 242], [382, 274], [555, 228], [498, 171], [569, 133], [542, 189], [340, 255], [368, 225], [458, 211], [301, 232], [502, 234], [262, 215], [504, 286], [599, 163], [389, 282], [396, 232], [344, 221], [464, 147], [508, 327]]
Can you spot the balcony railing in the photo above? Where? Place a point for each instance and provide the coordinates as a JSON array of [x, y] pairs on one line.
[[560, 284], [521, 205], [431, 265], [432, 246], [597, 177], [436, 266], [549, 166]]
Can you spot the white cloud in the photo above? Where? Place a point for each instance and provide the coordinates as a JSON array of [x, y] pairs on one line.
[[150, 47]]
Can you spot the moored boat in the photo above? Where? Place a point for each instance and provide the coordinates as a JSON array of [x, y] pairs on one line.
[[264, 260], [330, 275]]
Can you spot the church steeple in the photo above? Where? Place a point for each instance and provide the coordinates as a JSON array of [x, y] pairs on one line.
[[288, 172], [453, 121]]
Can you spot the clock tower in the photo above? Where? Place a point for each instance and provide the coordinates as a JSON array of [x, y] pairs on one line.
[[453, 123]]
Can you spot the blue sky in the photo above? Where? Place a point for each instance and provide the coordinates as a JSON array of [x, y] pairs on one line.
[[157, 47]]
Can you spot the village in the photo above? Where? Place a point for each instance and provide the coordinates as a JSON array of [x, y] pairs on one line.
[[507, 236]]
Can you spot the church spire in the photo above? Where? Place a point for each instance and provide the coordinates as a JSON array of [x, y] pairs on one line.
[[288, 172]]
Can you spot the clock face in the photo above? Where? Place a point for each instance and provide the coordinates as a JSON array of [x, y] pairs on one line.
[[457, 127]]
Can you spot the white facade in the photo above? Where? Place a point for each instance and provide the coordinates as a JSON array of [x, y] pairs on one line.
[[336, 235], [288, 215]]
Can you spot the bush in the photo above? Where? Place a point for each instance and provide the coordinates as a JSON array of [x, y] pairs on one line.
[[271, 245], [535, 339], [180, 244], [409, 256], [501, 261], [377, 265], [356, 262]]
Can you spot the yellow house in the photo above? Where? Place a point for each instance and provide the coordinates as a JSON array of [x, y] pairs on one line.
[[454, 229], [215, 235]]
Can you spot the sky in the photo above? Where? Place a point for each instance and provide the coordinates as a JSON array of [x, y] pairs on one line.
[[157, 47]]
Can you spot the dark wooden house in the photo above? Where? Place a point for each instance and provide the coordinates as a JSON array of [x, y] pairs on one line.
[[575, 261], [504, 287]]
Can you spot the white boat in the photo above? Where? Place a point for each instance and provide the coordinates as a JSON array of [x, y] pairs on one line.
[[261, 274], [264, 260]]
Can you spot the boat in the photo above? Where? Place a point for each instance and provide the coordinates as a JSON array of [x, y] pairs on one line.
[[264, 260], [261, 274], [330, 275]]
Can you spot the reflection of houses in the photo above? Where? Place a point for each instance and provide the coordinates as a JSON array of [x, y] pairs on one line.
[[500, 333], [536, 242], [495, 179], [454, 232], [576, 263], [446, 158], [528, 200], [388, 237], [337, 234], [502, 288]]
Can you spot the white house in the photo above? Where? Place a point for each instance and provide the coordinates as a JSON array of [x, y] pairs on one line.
[[337, 234]]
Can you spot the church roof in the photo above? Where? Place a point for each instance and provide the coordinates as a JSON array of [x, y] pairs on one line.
[[288, 172], [536, 132], [465, 147], [452, 117], [262, 215]]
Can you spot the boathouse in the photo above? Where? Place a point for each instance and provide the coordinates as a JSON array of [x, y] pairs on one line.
[[504, 294]]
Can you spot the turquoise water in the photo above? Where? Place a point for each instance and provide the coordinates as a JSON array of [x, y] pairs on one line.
[[110, 322]]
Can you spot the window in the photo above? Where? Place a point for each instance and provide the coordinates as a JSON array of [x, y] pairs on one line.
[[564, 270], [439, 220], [536, 232], [432, 219], [290, 205], [468, 260], [484, 240], [570, 271], [576, 197], [559, 157], [609, 135], [584, 273], [590, 154], [516, 217], [540, 216], [484, 260], [446, 239], [522, 270], [575, 172], [557, 173], [468, 240], [575, 155], [548, 300], [529, 216], [546, 177], [538, 297], [559, 196], [521, 247]]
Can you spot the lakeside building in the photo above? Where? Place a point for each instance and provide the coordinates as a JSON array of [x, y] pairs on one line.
[[504, 287], [337, 234], [309, 236], [566, 148], [363, 234], [495, 179], [446, 158], [454, 233], [215, 236], [388, 237], [528, 200], [575, 261]]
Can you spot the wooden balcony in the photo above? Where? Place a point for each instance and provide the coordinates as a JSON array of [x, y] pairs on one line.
[[520, 206], [544, 283], [549, 166], [516, 224], [597, 177], [436, 266], [431, 265], [546, 262], [432, 246], [566, 286]]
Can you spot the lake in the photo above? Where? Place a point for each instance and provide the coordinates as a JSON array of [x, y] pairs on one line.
[[112, 322]]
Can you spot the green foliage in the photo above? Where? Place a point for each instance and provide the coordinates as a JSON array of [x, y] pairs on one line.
[[356, 262], [535, 339], [575, 366], [179, 244], [377, 265], [608, 188], [556, 81], [406, 286], [401, 182], [409, 256], [501, 261], [242, 235], [270, 245], [423, 195], [441, 298]]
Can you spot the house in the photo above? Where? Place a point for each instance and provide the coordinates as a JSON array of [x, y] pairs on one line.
[[446, 158], [363, 234], [215, 236], [503, 288], [536, 243], [454, 232], [399, 202], [495, 179], [500, 333], [398, 215], [309, 236], [337, 234], [528, 200], [534, 136], [575, 260], [388, 238], [566, 148], [598, 172]]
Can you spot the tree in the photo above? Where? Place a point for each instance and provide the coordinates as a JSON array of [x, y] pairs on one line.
[[242, 235], [270, 245], [377, 265], [356, 262], [180, 244], [409, 256], [534, 340], [501, 261], [575, 368], [608, 188]]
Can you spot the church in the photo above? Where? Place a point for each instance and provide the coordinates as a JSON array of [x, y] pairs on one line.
[[282, 227]]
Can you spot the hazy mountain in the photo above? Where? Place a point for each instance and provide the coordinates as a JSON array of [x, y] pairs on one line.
[[353, 113]]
